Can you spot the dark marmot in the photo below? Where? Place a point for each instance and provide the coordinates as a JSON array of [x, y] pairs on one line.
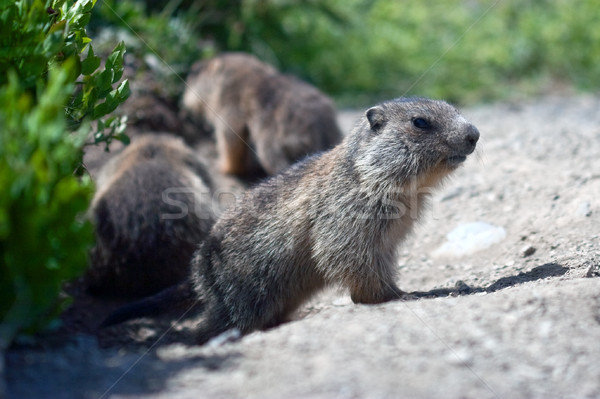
[[332, 219], [262, 119], [151, 209]]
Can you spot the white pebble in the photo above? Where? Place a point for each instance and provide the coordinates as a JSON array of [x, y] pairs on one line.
[[468, 238]]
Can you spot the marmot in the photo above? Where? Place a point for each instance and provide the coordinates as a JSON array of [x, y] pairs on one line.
[[151, 209], [333, 219], [262, 119]]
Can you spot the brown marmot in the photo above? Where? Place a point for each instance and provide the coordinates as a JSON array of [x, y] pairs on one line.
[[151, 209], [262, 119], [333, 219]]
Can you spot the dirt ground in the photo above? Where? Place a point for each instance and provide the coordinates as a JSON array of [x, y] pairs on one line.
[[520, 319]]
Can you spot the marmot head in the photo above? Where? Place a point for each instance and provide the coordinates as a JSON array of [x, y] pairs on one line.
[[410, 138]]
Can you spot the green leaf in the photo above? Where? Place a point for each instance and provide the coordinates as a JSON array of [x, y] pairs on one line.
[[52, 44], [100, 110], [104, 82], [58, 27], [91, 63], [115, 61], [123, 91], [90, 97], [123, 138]]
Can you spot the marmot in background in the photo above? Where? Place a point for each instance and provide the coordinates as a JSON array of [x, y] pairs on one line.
[[151, 209], [333, 219], [262, 119]]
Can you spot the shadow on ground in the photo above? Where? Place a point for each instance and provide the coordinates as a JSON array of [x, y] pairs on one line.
[[537, 273], [100, 372]]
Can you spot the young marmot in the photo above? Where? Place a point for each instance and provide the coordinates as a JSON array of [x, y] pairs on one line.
[[333, 219], [151, 209], [262, 119]]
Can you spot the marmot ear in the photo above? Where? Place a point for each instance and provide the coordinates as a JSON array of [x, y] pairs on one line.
[[376, 117]]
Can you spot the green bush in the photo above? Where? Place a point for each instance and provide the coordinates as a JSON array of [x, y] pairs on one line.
[[461, 51], [360, 51], [49, 93], [177, 33], [165, 44]]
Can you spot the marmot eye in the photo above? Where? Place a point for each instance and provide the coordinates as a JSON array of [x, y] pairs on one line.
[[420, 123]]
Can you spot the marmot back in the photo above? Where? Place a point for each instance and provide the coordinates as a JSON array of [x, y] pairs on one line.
[[151, 209], [336, 218], [263, 120]]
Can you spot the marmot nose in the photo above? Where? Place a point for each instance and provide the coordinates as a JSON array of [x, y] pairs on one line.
[[471, 138]]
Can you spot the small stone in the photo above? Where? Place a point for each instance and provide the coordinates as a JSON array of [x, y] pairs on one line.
[[594, 270], [584, 209], [528, 251]]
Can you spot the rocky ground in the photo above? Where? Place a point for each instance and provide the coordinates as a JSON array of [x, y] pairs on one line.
[[520, 319]]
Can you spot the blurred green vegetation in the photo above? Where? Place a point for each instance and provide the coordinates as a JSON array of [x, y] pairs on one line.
[[52, 86], [359, 51]]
